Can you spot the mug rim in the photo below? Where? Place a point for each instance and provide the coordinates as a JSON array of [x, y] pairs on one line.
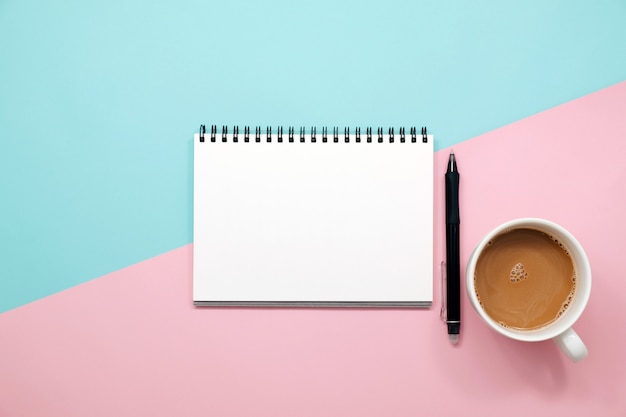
[[581, 262]]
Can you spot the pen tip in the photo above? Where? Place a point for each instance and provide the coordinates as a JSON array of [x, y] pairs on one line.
[[454, 338], [452, 161]]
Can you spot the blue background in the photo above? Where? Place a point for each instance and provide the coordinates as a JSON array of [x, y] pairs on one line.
[[99, 101]]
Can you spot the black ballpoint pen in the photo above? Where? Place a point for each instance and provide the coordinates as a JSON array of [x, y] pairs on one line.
[[453, 282]]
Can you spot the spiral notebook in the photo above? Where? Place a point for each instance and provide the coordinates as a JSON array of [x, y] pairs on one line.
[[313, 218]]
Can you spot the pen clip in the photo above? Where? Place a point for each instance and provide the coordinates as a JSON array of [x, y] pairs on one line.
[[444, 277]]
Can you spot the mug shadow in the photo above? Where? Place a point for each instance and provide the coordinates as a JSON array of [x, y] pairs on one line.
[[537, 364]]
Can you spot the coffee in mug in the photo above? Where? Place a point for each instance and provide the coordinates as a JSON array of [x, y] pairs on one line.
[[525, 279], [529, 279]]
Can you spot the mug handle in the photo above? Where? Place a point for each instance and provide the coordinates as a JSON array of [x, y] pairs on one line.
[[572, 345]]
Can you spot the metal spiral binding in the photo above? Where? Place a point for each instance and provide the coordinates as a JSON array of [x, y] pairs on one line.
[[313, 134]]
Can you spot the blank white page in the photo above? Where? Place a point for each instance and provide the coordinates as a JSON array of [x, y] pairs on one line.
[[313, 224]]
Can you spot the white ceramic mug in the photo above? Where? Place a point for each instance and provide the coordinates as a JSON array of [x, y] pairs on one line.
[[560, 330]]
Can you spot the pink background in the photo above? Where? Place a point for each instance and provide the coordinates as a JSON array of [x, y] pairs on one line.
[[131, 343]]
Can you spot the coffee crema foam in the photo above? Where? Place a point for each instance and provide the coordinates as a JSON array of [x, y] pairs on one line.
[[525, 279]]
